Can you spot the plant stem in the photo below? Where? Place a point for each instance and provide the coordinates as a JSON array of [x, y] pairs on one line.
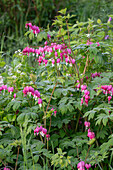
[[109, 127], [49, 104], [85, 69], [71, 167], [77, 152], [49, 125], [41, 138], [77, 122], [87, 153], [47, 145], [68, 32], [32, 159], [17, 157], [2, 162]]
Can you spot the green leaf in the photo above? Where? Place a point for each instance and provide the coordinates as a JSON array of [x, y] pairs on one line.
[[58, 92], [90, 114], [16, 105], [101, 35], [2, 63], [59, 150], [36, 158], [63, 100], [63, 108], [91, 141], [70, 107], [102, 133], [102, 117], [11, 117], [28, 32], [9, 105], [105, 120], [34, 115], [63, 11], [21, 118]]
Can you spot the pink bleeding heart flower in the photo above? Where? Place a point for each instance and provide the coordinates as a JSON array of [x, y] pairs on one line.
[[91, 135], [4, 87], [88, 166], [81, 165], [58, 61], [1, 88], [31, 89], [66, 60], [43, 132], [55, 113], [45, 43], [82, 101], [86, 92], [47, 136], [40, 102], [45, 61], [73, 61], [56, 54], [14, 95], [109, 98], [10, 89], [36, 94], [97, 43], [69, 51], [6, 168], [53, 62], [37, 130], [83, 87], [87, 124]]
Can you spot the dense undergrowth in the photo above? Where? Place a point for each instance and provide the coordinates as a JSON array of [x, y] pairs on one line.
[[56, 98]]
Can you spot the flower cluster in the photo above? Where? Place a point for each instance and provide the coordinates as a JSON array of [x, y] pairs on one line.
[[107, 89], [93, 75], [78, 85], [6, 168], [34, 28], [28, 90], [86, 96], [60, 53], [84, 90], [42, 132], [81, 166], [9, 89], [90, 134]]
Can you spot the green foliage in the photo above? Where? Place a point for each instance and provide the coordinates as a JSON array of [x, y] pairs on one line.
[[60, 159], [61, 112]]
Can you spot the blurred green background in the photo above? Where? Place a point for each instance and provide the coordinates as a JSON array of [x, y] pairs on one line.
[[15, 13]]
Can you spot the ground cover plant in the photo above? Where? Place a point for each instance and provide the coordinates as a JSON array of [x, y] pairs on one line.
[[56, 98]]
